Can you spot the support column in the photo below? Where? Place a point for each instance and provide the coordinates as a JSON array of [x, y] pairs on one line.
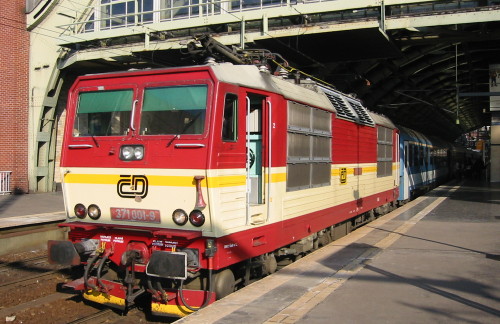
[[495, 147], [494, 79], [45, 83]]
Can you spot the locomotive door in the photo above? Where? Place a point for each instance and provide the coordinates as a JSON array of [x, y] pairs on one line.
[[257, 155]]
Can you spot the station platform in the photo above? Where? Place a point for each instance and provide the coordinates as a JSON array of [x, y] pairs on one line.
[[434, 260], [28, 221], [28, 209]]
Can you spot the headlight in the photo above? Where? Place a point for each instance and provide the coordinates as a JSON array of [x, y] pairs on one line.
[[132, 152], [180, 217], [94, 212], [80, 211], [197, 218], [127, 152], [138, 152]]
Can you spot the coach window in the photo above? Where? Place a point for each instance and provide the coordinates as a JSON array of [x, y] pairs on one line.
[[229, 123]]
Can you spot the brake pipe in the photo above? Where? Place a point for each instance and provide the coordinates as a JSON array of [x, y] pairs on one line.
[[210, 292], [88, 267], [162, 292], [99, 270]]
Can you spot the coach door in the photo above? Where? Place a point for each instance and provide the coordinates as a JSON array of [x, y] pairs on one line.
[[258, 115], [405, 178]]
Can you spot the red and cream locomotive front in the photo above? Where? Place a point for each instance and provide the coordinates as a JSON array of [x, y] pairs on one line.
[[134, 168]]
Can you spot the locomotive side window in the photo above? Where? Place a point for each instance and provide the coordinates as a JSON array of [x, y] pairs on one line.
[[384, 151], [103, 113], [174, 110], [229, 125], [308, 147]]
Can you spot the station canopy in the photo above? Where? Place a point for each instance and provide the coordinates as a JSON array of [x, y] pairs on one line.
[[434, 79]]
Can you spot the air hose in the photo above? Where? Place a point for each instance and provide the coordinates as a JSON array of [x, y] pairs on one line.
[[99, 270], [210, 292], [89, 267]]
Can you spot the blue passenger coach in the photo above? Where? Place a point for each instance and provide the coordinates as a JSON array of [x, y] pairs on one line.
[[424, 163]]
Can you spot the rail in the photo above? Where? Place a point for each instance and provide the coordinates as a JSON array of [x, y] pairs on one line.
[[5, 182]]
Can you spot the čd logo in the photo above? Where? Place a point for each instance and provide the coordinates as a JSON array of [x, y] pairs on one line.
[[132, 186]]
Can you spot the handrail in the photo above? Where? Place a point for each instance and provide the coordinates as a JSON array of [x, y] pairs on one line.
[[101, 20], [132, 115], [5, 182]]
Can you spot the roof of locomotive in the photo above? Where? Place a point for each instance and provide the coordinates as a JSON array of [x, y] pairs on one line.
[[248, 76], [307, 92], [382, 120], [252, 77]]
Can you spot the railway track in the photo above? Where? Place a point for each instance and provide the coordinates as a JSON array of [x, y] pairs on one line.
[[30, 292], [27, 280], [31, 289], [21, 263], [97, 317]]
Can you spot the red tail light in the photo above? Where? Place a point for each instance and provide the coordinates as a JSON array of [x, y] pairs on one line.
[[80, 211], [197, 218]]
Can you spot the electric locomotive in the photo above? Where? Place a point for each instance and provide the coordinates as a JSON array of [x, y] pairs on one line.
[[187, 183]]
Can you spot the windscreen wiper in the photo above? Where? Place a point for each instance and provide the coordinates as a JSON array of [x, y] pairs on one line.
[[191, 122]]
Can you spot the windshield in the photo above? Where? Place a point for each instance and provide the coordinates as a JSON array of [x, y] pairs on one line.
[[174, 110], [103, 113]]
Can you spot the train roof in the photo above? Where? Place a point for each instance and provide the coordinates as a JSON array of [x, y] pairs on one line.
[[308, 92], [382, 120], [410, 134], [252, 77]]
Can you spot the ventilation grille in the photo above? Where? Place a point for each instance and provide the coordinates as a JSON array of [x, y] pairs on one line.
[[364, 117], [348, 108]]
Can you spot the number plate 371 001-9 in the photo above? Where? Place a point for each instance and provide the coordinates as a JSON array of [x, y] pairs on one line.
[[135, 215]]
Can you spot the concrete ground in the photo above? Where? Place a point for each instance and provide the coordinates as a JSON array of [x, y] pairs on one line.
[[31, 204]]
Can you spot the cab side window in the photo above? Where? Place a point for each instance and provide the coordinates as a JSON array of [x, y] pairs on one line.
[[229, 123]]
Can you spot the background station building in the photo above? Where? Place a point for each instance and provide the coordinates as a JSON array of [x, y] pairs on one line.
[[427, 65], [14, 98]]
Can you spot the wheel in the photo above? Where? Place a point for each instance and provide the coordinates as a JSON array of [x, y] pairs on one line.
[[223, 283]]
